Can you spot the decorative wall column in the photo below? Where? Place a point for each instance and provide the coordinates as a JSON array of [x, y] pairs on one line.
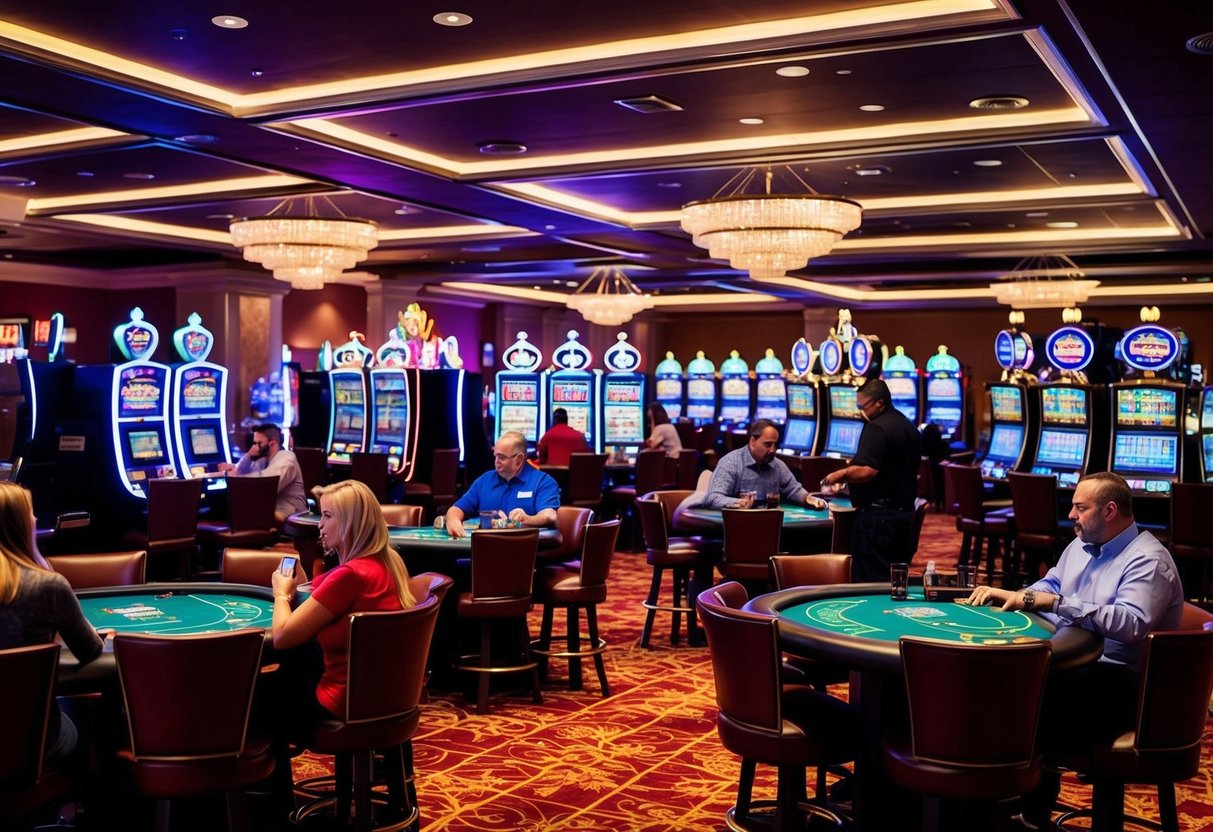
[[383, 300]]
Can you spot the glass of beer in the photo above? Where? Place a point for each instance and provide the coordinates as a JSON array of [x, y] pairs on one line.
[[772, 499]]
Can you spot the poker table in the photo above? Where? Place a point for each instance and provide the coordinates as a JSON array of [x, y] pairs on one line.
[[805, 529]]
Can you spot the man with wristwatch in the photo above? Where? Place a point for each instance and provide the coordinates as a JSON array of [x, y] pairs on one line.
[[1115, 580]]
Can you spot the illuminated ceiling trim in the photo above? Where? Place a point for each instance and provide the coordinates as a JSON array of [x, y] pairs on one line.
[[220, 187], [545, 296], [57, 138]]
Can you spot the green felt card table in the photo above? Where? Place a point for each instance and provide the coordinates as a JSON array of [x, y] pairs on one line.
[[805, 529]]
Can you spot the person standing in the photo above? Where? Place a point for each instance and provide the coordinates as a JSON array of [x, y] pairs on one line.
[[525, 494], [664, 435], [883, 481], [560, 440], [267, 458], [756, 469]]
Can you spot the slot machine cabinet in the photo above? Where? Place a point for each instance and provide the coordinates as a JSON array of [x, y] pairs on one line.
[[393, 399], [1148, 414], [735, 392], [701, 390], [770, 389], [945, 397], [623, 394], [901, 375], [668, 386], [843, 419], [1072, 440], [575, 386], [521, 395], [1206, 434], [199, 406], [349, 389], [1014, 417], [800, 430]]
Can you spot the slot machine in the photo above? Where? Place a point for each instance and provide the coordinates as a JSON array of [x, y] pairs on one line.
[[199, 406], [1206, 434], [843, 418], [622, 416], [734, 391], [521, 395], [770, 389], [1148, 414], [573, 385], [289, 375], [701, 390], [393, 422], [1014, 417], [944, 396], [668, 386], [1073, 418], [901, 375], [348, 398], [800, 429]]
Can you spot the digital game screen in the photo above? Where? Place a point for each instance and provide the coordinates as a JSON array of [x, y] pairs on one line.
[[523, 418], [520, 390], [798, 434], [622, 424], [391, 408], [801, 401], [1206, 409], [943, 389], [570, 392], [771, 400], [1141, 407], [1207, 443], [1006, 404], [669, 395], [349, 409], [204, 441], [843, 436], [200, 391], [1062, 447], [843, 404], [141, 391], [1151, 453], [1006, 443], [701, 398], [145, 446], [1063, 405]]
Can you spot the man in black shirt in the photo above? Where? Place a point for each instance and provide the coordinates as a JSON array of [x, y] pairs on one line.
[[883, 479]]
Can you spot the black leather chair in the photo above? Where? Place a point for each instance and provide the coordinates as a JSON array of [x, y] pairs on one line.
[[26, 781], [664, 554]]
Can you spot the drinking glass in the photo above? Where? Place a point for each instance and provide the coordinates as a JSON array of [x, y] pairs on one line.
[[899, 581]]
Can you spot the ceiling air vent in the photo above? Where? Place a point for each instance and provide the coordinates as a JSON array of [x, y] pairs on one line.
[[649, 104], [1201, 44], [999, 102]]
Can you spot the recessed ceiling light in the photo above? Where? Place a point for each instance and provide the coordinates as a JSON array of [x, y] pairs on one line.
[[572, 284], [85, 173], [142, 176], [229, 21], [869, 170], [402, 210], [17, 181], [221, 216], [842, 72], [503, 148], [752, 120], [1061, 224], [549, 228], [987, 163], [196, 138], [999, 102], [537, 288], [1037, 214], [792, 71], [452, 19], [256, 73], [669, 184], [871, 108]]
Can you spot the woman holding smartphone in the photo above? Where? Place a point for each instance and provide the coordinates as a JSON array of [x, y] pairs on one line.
[[370, 576]]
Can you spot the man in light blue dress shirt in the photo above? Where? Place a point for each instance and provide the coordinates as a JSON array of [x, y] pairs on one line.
[[755, 468]]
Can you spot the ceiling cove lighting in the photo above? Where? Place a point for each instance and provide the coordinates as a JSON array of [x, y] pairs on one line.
[[1044, 282], [306, 250], [768, 234], [608, 298]]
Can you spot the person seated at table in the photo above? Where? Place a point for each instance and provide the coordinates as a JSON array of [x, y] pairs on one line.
[[560, 440], [267, 458], [369, 576], [664, 435], [755, 468], [526, 495], [1116, 580], [36, 604]]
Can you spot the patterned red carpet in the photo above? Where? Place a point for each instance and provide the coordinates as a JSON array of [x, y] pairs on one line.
[[646, 758]]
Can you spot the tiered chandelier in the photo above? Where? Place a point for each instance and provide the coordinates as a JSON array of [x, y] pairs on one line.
[[608, 298], [769, 234], [306, 250], [1043, 282]]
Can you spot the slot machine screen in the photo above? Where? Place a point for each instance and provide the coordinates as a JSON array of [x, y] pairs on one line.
[[145, 446], [843, 437], [621, 413], [943, 401], [1006, 442], [141, 392], [902, 387], [1063, 406], [798, 434], [574, 396], [1207, 443], [1149, 453], [1206, 410], [771, 399], [1146, 407], [701, 398], [204, 442], [843, 403], [199, 391], [669, 394], [391, 409], [1006, 404], [801, 401], [735, 399], [349, 410], [518, 407], [734, 412], [1062, 447]]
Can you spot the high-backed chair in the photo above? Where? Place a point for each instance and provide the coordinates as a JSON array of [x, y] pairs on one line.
[[26, 781], [687, 435], [104, 569], [250, 515], [1038, 531], [788, 571], [585, 589], [313, 465], [370, 469], [443, 485], [687, 469], [813, 470], [842, 527], [172, 525], [570, 522], [397, 514], [585, 480], [650, 471], [1191, 534], [1164, 745], [503, 573], [385, 670], [253, 566], [954, 751], [679, 558], [920, 516], [751, 539], [982, 522], [763, 720], [189, 730]]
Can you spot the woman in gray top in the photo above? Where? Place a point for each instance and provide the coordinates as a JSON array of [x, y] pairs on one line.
[[664, 435], [36, 604]]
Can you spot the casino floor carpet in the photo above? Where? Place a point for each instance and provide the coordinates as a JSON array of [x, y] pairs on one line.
[[646, 758]]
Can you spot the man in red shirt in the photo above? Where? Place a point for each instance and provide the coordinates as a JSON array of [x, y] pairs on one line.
[[560, 440]]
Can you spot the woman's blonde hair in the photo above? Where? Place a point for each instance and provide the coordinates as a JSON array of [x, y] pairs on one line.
[[17, 547], [362, 531]]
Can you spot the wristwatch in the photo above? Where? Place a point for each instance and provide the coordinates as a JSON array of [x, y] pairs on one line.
[[1029, 599]]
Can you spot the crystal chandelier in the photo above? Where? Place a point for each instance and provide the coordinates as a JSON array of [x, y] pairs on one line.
[[307, 250], [1043, 282], [768, 234], [608, 298]]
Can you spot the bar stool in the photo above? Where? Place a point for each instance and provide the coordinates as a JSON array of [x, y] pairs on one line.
[[677, 556]]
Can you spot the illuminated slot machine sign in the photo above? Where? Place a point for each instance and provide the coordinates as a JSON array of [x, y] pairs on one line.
[[944, 395], [1065, 433], [140, 408], [667, 386], [735, 390], [575, 387], [771, 391], [701, 390], [1147, 415], [521, 397], [1007, 432], [200, 406], [1206, 434], [623, 397], [901, 375], [845, 422]]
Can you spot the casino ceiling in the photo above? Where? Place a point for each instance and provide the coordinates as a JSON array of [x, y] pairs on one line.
[[511, 155]]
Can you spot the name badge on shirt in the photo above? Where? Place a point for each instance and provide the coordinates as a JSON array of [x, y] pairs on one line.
[[522, 495]]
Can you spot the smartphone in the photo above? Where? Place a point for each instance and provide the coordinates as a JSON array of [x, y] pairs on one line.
[[287, 567]]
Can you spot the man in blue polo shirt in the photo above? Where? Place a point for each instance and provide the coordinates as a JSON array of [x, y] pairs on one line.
[[526, 495]]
